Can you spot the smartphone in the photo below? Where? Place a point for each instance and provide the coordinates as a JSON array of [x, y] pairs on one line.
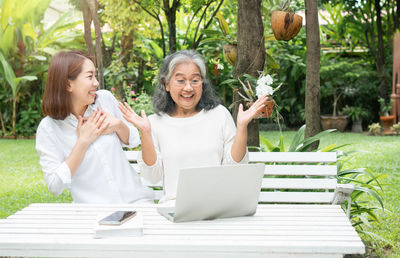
[[117, 218]]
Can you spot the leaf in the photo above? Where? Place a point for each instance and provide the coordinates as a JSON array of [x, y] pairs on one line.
[[373, 193], [40, 58], [333, 147], [45, 39], [28, 31], [280, 144], [310, 140], [267, 144], [8, 73], [229, 81], [270, 37], [270, 61], [6, 12], [157, 49], [297, 139], [211, 40], [222, 24], [210, 32]]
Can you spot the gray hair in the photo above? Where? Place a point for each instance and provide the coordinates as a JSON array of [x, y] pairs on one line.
[[162, 100]]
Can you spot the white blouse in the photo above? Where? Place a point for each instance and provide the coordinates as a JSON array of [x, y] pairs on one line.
[[204, 139], [104, 175]]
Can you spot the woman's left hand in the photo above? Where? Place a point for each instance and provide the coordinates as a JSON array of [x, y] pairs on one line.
[[245, 117], [112, 121]]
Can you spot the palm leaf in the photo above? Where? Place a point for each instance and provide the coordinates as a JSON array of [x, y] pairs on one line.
[[297, 139]]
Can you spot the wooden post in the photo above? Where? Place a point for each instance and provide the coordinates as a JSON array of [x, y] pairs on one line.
[[396, 78]]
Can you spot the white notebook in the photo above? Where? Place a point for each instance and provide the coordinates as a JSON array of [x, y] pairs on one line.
[[132, 227]]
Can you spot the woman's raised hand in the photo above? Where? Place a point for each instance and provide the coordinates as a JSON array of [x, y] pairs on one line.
[[245, 117], [89, 129], [140, 122]]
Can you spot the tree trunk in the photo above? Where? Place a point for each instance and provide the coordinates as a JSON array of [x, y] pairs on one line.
[[170, 13], [397, 16], [380, 55], [87, 21], [251, 53], [312, 71], [89, 10], [93, 5]]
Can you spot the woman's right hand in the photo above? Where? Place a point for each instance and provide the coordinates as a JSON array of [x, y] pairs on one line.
[[140, 122], [89, 129]]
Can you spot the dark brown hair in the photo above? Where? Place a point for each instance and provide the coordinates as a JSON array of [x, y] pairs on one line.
[[64, 66]]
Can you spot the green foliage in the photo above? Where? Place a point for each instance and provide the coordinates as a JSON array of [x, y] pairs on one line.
[[385, 107], [396, 128], [299, 142], [291, 58], [375, 129], [143, 102], [29, 118], [355, 113], [366, 183], [345, 78], [25, 46]]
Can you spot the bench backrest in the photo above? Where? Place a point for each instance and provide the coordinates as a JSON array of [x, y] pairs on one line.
[[289, 177]]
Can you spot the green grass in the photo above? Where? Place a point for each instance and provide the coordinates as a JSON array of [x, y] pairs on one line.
[[21, 179], [22, 183]]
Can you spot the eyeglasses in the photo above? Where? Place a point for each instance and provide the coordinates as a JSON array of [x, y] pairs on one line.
[[193, 82]]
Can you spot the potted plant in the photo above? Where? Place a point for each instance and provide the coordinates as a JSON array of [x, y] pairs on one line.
[[254, 88], [337, 80], [284, 22], [356, 114], [228, 41], [386, 119], [396, 128], [375, 129]]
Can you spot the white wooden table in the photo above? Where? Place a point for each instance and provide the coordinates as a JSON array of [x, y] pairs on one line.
[[65, 230]]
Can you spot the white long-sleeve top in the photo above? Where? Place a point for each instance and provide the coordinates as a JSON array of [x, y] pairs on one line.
[[104, 175], [204, 139]]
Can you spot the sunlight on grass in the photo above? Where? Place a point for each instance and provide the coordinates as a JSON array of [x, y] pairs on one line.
[[21, 179]]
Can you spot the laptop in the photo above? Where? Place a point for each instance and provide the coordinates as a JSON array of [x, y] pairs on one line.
[[206, 193]]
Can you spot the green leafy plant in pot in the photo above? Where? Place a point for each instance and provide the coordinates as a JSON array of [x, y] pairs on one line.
[[356, 114], [386, 119]]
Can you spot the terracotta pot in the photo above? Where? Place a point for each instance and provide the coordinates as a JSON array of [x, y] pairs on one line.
[[267, 110], [285, 25], [334, 122], [230, 53], [387, 122]]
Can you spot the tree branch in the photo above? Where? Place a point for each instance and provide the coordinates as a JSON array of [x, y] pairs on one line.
[[197, 42], [190, 23]]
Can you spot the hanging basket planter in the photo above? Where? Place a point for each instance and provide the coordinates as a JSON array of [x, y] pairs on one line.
[[230, 53], [267, 110], [285, 25]]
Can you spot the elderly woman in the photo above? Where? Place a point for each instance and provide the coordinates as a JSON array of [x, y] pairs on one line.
[[190, 127], [80, 140]]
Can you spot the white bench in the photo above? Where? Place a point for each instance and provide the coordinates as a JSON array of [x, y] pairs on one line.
[[290, 177], [308, 228]]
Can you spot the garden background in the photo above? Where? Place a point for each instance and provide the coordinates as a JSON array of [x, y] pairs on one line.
[[356, 59]]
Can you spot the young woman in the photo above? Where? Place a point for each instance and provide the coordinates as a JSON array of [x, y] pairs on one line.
[[189, 128], [80, 140]]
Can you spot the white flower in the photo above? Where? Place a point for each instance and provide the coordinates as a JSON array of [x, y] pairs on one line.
[[265, 80], [263, 89], [263, 86], [220, 66]]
